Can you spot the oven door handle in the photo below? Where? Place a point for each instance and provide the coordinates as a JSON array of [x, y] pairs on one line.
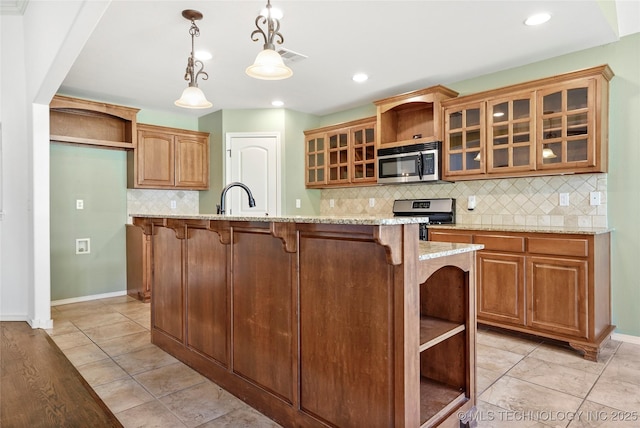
[[420, 165]]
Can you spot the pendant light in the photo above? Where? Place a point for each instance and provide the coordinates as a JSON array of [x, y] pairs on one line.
[[192, 96], [268, 64]]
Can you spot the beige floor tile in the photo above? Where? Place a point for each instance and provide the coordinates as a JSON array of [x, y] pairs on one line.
[[101, 372], [143, 319], [485, 378], [130, 306], [123, 394], [151, 414], [591, 415], [144, 359], [244, 417], [118, 299], [71, 340], [110, 331], [495, 359], [201, 403], [84, 354], [62, 327], [98, 320], [618, 387], [168, 379], [551, 375], [506, 342], [567, 357], [533, 401], [490, 416], [126, 344]]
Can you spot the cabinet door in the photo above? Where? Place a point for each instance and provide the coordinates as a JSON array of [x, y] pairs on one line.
[[557, 291], [155, 159], [338, 152], [363, 154], [510, 134], [464, 137], [167, 304], [315, 160], [501, 294], [191, 162], [566, 126]]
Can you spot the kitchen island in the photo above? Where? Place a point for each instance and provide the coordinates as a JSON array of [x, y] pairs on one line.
[[319, 321]]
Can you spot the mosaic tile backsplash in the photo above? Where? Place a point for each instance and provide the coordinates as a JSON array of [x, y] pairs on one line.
[[145, 201], [529, 201]]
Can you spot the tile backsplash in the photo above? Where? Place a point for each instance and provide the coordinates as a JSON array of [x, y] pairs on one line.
[[145, 201], [528, 201]]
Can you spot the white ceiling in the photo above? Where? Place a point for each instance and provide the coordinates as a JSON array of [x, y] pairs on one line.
[[138, 52]]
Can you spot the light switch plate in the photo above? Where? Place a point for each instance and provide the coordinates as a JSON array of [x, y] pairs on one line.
[[594, 198], [564, 199], [79, 204]]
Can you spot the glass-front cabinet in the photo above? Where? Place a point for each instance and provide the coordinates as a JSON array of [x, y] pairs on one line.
[[566, 125], [315, 160], [338, 164], [464, 135], [363, 153], [510, 129]]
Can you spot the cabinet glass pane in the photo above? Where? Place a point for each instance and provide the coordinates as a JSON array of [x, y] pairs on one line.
[[311, 146], [520, 156], [455, 162], [333, 142], [369, 135], [500, 141], [320, 173], [552, 103], [473, 160], [358, 171], [500, 130], [343, 173], [577, 150], [500, 158], [521, 128], [333, 158], [358, 154], [501, 112], [473, 117], [370, 170], [521, 138], [320, 144], [312, 176], [521, 109], [473, 138], [333, 174], [320, 159], [371, 152], [343, 156], [455, 141], [455, 120], [577, 124], [576, 99], [343, 140], [312, 160], [357, 137], [551, 153]]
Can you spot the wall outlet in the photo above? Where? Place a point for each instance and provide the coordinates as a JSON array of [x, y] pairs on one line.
[[332, 203], [83, 246], [471, 202], [372, 202], [173, 205], [594, 198], [79, 204], [297, 203], [564, 199]]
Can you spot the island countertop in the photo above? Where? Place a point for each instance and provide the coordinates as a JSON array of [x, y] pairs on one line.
[[367, 220]]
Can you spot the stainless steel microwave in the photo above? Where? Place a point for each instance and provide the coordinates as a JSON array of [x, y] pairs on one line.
[[410, 164]]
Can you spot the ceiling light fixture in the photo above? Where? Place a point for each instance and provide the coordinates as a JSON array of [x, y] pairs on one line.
[[268, 64], [192, 96], [537, 19]]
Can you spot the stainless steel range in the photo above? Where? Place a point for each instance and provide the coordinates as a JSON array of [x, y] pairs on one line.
[[434, 211]]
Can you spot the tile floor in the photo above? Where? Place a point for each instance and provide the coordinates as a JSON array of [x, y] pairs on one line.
[[521, 382]]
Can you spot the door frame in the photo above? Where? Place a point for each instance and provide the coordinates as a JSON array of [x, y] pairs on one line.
[[227, 150]]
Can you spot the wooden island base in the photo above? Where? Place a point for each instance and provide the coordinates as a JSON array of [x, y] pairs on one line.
[[319, 324]]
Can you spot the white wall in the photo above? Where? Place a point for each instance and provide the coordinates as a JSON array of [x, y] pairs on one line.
[[38, 50]]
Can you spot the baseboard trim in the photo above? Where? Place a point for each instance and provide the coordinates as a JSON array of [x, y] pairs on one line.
[[88, 298], [626, 338]]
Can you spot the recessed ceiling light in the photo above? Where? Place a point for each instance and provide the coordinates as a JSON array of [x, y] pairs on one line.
[[360, 77], [537, 19], [277, 103], [203, 55]]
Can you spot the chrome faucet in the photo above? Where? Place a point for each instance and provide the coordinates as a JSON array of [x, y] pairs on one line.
[[220, 208]]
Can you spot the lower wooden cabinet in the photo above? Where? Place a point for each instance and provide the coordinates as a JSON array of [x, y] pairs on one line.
[[138, 263], [550, 285]]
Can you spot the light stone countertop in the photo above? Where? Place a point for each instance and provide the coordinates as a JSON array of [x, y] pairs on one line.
[[432, 250], [529, 229], [367, 220]]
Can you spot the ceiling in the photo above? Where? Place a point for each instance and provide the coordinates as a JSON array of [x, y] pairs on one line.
[[138, 52]]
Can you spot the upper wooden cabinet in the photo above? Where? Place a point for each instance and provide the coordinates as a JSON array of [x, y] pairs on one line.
[[411, 118], [555, 125], [341, 155], [73, 120], [168, 158]]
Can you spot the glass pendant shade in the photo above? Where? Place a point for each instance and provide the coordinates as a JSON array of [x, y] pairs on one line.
[[269, 66], [193, 97]]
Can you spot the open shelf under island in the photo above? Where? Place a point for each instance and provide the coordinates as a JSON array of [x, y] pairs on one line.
[[319, 321]]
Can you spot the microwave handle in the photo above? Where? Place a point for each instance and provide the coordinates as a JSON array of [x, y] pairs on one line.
[[420, 165]]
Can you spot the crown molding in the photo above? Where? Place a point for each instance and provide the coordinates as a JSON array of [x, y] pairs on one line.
[[13, 7]]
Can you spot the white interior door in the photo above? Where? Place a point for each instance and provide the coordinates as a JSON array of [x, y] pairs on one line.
[[253, 159]]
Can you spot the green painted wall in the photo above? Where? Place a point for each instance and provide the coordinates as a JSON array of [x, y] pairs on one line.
[[97, 176], [160, 118]]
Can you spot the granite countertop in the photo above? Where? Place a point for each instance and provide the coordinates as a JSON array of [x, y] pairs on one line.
[[519, 228], [432, 250], [371, 220]]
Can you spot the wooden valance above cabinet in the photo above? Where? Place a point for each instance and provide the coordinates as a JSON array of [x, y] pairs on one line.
[[78, 121]]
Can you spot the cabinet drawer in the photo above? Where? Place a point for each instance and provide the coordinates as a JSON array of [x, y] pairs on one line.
[[513, 244], [459, 238], [560, 247]]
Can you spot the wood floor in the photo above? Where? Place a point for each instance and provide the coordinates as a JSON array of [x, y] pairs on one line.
[[39, 387]]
